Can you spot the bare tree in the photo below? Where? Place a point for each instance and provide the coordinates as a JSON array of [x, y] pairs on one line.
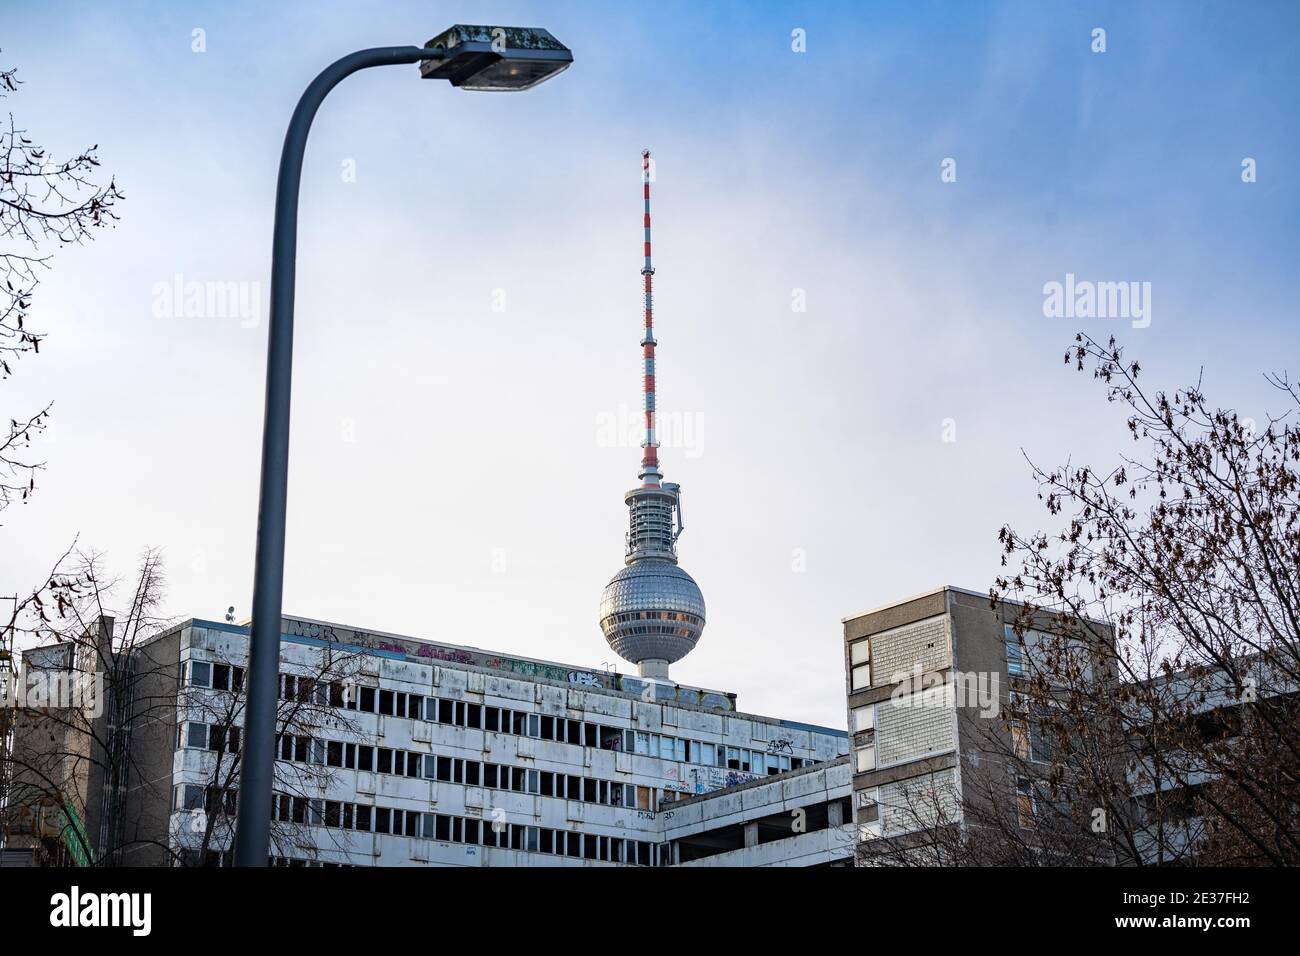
[[43, 202], [1175, 575], [74, 753]]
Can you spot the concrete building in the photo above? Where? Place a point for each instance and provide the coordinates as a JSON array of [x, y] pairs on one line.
[[927, 679], [397, 751]]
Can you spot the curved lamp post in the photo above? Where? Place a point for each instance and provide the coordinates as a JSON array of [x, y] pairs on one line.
[[471, 57]]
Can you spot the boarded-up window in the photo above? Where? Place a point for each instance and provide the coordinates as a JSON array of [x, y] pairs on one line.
[[895, 653], [915, 725], [919, 802]]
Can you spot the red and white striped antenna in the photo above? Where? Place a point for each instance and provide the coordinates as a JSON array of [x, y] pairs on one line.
[[650, 476]]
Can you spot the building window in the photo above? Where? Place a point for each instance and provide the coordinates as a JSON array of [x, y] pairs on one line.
[[1015, 653], [224, 739], [200, 674], [864, 718], [1020, 740], [860, 664], [1025, 803], [866, 758]]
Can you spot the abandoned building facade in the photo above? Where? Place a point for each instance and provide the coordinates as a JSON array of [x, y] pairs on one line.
[[395, 751]]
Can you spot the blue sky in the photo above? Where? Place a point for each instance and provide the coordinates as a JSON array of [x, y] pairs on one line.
[[449, 477]]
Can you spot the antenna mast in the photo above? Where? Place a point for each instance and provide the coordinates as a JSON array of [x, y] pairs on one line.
[[650, 476]]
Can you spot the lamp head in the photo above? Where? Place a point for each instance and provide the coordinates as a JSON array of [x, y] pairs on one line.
[[495, 58]]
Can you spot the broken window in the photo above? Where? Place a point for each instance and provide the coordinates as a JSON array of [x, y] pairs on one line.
[[368, 698], [189, 797], [1025, 803], [492, 719], [365, 757]]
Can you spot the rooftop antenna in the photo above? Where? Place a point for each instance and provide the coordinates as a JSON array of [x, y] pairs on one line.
[[650, 476]]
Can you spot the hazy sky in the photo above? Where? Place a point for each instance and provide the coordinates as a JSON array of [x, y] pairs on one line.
[[468, 299]]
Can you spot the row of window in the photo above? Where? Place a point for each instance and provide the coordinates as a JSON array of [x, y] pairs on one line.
[[197, 735], [394, 703], [445, 828], [216, 676], [406, 763]]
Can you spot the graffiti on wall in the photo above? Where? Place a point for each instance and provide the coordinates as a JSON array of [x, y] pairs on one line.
[[421, 651]]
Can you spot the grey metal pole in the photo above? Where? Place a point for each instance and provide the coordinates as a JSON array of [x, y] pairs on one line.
[[257, 770]]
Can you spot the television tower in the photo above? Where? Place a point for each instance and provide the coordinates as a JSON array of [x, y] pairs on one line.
[[652, 611]]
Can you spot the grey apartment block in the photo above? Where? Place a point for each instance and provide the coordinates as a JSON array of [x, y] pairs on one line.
[[923, 676], [928, 681], [397, 751]]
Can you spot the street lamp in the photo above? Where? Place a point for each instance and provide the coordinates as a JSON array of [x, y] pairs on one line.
[[473, 58]]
